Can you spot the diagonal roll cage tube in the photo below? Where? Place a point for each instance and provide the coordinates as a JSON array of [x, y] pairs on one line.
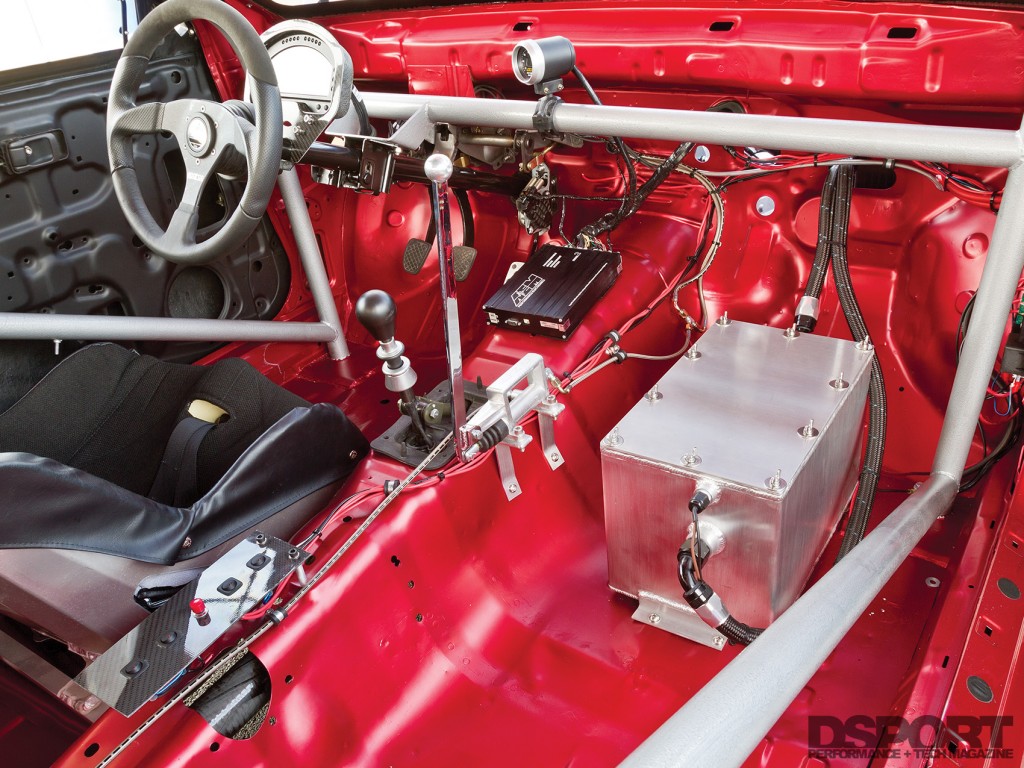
[[726, 720]]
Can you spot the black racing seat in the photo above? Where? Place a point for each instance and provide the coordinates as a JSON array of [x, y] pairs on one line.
[[116, 460]]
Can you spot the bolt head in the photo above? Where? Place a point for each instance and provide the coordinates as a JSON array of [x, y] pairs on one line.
[[655, 618], [513, 488]]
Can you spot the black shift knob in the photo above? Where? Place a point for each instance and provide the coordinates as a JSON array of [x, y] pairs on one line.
[[376, 311]]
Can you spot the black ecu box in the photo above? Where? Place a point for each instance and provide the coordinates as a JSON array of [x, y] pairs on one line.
[[553, 291]]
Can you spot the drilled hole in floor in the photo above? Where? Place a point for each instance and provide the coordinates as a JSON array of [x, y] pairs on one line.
[[395, 561], [288, 679], [214, 747], [945, 662], [988, 630], [720, 26], [92, 749]]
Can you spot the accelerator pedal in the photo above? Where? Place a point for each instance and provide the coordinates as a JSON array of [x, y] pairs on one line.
[[464, 257]]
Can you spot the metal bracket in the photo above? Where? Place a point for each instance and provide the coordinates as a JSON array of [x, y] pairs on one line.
[[413, 132], [547, 412], [507, 470], [376, 166], [544, 122], [506, 404], [544, 116]]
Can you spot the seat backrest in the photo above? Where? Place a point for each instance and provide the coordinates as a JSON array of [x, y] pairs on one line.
[[110, 412]]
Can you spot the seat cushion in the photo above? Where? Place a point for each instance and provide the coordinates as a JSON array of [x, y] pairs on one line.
[[79, 453]]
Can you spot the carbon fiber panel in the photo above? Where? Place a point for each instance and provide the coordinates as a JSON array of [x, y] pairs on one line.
[[160, 649]]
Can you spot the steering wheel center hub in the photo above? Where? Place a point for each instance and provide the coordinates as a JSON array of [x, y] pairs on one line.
[[199, 135]]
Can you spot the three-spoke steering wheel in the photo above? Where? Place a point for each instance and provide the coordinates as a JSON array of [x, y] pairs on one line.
[[214, 138]]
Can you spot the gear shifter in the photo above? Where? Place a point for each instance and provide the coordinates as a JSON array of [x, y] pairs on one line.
[[376, 311]]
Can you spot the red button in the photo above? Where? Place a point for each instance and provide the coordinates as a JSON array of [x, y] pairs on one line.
[[197, 605]]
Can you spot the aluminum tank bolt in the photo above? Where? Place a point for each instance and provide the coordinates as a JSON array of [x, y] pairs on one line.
[[614, 438], [839, 382], [775, 482], [693, 354], [791, 332], [691, 459], [654, 395], [865, 345], [724, 320], [808, 430]]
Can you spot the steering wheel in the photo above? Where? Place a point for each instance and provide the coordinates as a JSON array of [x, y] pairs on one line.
[[214, 138]]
